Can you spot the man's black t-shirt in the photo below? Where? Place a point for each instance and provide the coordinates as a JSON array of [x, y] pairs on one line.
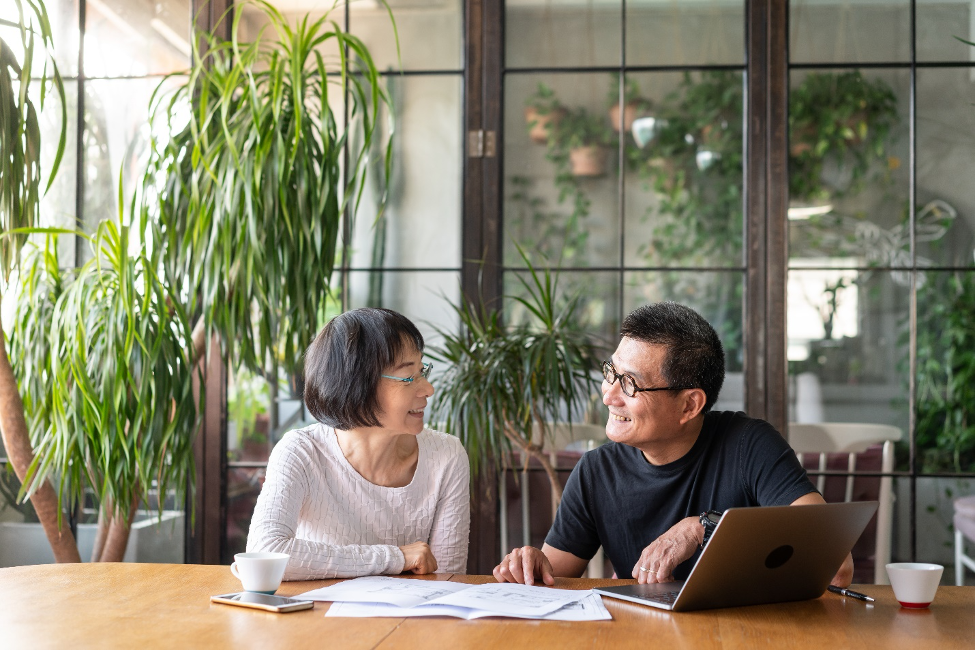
[[617, 499]]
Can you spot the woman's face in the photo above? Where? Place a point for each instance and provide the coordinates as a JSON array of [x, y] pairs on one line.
[[402, 403]]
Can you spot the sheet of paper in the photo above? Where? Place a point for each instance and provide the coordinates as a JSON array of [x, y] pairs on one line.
[[384, 589], [590, 608], [511, 599]]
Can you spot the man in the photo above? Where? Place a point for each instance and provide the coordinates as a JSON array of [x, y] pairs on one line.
[[669, 461]]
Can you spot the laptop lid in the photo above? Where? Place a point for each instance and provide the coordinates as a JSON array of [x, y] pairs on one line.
[[763, 555]]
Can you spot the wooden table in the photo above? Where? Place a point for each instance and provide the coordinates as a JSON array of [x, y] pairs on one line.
[[145, 606]]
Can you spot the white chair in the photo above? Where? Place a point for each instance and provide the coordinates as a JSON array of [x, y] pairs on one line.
[[854, 438], [963, 527]]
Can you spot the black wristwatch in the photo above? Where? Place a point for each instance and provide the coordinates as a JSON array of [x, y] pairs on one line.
[[709, 520]]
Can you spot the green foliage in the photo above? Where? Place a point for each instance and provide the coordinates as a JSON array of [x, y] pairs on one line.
[[501, 379], [247, 397], [945, 373], [632, 92], [580, 128], [105, 374], [544, 100], [839, 117], [247, 197], [20, 133]]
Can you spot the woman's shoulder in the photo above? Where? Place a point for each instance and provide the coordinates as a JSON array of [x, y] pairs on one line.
[[310, 439], [443, 449], [441, 443]]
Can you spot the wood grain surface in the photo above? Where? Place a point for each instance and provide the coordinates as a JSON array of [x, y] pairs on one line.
[[146, 606]]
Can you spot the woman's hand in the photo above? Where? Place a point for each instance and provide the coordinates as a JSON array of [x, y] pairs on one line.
[[418, 558]]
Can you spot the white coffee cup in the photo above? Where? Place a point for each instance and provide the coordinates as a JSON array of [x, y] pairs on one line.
[[260, 572], [914, 583]]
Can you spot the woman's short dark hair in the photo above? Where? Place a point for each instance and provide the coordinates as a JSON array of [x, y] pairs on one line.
[[344, 363], [695, 354]]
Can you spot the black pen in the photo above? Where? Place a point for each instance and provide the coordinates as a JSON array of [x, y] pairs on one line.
[[849, 593]]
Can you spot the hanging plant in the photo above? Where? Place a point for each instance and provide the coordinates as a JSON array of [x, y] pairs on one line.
[[543, 113], [842, 119]]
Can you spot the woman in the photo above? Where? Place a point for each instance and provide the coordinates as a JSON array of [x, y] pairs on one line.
[[368, 490]]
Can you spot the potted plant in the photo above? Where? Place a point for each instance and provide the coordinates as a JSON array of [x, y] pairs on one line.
[[247, 411], [543, 112], [107, 382], [585, 137], [246, 198], [20, 192], [634, 104], [506, 382]]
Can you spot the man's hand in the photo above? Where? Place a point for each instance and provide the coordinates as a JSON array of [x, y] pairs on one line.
[[675, 545], [418, 558], [523, 565], [845, 573]]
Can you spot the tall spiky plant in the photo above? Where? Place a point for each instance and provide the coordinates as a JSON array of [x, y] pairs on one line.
[[22, 93], [504, 383], [247, 196]]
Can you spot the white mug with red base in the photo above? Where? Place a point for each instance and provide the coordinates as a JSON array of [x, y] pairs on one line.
[[914, 583]]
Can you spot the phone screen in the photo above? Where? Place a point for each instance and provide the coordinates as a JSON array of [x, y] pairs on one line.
[[263, 601]]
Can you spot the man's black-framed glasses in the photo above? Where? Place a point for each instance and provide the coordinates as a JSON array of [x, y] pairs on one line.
[[425, 372], [628, 385]]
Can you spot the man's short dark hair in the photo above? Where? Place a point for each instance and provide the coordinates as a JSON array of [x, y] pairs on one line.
[[344, 363], [695, 356]]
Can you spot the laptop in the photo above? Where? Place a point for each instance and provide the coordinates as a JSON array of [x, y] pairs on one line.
[[762, 555]]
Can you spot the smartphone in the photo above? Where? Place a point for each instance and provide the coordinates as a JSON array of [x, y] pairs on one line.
[[279, 604]]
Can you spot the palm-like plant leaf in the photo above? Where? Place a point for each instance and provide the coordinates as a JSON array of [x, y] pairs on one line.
[[247, 196], [108, 387], [502, 380]]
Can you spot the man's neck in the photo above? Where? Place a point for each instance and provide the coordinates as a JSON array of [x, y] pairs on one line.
[[678, 446]]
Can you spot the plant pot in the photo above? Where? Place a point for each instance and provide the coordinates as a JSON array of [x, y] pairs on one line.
[[588, 161], [645, 129], [630, 113], [541, 124]]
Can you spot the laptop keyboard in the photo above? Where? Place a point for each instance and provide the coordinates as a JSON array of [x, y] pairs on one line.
[[666, 597]]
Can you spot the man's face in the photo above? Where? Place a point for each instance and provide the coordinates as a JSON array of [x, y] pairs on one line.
[[649, 421]]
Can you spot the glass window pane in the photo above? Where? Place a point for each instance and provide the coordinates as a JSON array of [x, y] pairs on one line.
[[598, 311], [562, 35], [416, 22], [63, 17], [58, 208], [859, 31], [561, 183], [136, 37], [848, 345], [684, 177], [425, 297], [849, 166], [945, 167], [940, 24], [421, 225], [717, 296], [945, 371], [684, 33], [934, 523], [116, 115], [243, 487]]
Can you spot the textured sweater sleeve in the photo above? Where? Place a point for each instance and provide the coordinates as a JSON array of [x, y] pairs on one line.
[[452, 519], [275, 522]]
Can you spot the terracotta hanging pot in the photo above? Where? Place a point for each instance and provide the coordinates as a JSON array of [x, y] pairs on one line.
[[630, 113], [541, 124], [588, 161]]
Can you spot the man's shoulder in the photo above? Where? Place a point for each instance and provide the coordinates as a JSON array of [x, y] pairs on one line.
[[737, 423]]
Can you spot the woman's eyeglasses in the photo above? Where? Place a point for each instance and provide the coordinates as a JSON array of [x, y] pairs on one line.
[[425, 371]]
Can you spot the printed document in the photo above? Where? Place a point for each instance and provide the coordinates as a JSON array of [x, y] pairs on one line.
[[589, 608], [494, 599]]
